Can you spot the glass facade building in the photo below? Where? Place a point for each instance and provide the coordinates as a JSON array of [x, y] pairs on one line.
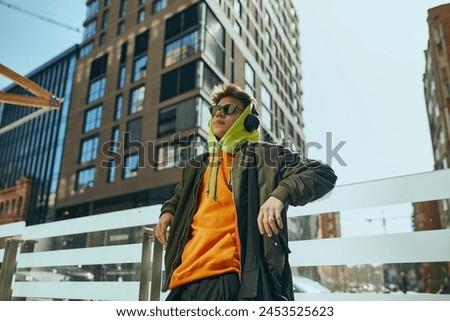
[[35, 148], [142, 97]]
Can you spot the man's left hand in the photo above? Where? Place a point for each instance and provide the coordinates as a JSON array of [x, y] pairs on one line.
[[269, 217]]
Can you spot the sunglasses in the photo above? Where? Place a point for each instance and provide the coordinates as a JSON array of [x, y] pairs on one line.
[[227, 109]]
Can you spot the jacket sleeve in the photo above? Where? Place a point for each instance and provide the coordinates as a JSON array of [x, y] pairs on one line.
[[171, 204], [302, 180]]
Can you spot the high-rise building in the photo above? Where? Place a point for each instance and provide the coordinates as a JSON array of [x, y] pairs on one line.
[[436, 214], [140, 105], [31, 151], [437, 93]]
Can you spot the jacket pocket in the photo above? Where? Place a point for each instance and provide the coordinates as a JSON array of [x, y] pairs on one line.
[[275, 254]]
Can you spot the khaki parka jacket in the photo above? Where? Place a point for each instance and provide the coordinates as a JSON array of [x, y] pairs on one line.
[[280, 173]]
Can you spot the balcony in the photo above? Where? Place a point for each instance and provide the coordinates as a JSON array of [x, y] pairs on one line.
[[99, 257]]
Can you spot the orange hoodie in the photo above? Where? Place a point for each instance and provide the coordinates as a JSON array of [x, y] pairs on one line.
[[212, 248]]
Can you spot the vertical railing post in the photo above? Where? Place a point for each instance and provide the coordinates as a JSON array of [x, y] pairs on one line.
[[156, 271], [145, 263], [150, 270], [8, 268]]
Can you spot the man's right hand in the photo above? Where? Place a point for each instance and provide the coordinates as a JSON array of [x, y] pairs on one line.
[[165, 220]]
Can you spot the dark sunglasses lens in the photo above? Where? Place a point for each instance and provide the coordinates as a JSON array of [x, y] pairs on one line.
[[227, 109]]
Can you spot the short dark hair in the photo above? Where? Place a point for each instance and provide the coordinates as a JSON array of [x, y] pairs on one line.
[[231, 90]]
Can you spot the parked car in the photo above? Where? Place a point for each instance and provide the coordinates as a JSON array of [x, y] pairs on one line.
[[306, 285], [40, 275]]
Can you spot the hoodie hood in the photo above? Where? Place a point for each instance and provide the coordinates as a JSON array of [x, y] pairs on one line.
[[234, 137], [229, 143]]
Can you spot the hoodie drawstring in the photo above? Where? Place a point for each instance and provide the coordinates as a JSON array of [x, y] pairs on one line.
[[211, 164]]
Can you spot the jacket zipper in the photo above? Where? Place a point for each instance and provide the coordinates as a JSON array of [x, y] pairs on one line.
[[237, 221], [186, 230]]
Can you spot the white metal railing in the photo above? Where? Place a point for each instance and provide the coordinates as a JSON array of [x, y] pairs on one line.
[[10, 230], [375, 249]]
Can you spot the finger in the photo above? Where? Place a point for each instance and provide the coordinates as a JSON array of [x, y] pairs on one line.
[[260, 222], [160, 233], [269, 223], [272, 224], [279, 221], [263, 222]]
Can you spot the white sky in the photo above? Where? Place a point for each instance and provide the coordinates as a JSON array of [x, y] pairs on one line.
[[362, 66]]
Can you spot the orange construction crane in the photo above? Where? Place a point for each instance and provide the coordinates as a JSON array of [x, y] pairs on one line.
[[42, 98]]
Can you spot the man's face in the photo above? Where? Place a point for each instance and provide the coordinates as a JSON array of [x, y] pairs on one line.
[[221, 122]]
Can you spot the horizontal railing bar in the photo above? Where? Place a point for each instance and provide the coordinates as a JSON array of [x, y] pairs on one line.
[[389, 191], [100, 222], [120, 291], [12, 229], [396, 296], [425, 246], [127, 253]]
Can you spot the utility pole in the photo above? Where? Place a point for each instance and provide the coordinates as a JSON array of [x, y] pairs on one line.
[[383, 219]]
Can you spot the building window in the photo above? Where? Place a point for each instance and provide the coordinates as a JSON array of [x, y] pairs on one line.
[[121, 77], [91, 9], [97, 79], [141, 16], [132, 135], [123, 8], [266, 108], [90, 29], [237, 8], [92, 118], [120, 27], [123, 53], [181, 35], [182, 22], [141, 2], [140, 68], [166, 156], [178, 81], [281, 128], [232, 61], [137, 96], [167, 121], [111, 171], [115, 140], [171, 154], [101, 39], [215, 40], [141, 43], [85, 178], [89, 149], [181, 48], [96, 89], [158, 6], [249, 79], [203, 113], [118, 107], [178, 117], [140, 56], [130, 166], [209, 79], [237, 28], [105, 18], [113, 148], [86, 49]]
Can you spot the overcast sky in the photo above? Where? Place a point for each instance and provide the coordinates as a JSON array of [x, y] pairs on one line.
[[362, 66]]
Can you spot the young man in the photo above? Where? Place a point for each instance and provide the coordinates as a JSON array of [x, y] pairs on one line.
[[227, 217]]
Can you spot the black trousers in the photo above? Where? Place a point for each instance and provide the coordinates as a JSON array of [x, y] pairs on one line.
[[223, 287]]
